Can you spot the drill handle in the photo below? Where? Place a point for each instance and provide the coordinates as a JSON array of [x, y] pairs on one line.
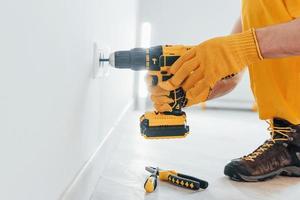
[[178, 96]]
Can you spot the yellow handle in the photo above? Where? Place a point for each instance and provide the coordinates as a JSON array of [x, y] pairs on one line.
[[150, 183], [164, 174]]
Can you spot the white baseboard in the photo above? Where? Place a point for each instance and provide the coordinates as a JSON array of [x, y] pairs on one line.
[[84, 183]]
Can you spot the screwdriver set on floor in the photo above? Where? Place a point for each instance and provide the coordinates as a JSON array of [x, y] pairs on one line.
[[174, 178]]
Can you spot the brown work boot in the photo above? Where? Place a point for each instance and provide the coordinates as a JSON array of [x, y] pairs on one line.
[[280, 155]]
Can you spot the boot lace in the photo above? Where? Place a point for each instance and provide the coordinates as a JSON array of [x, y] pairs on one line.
[[274, 131]]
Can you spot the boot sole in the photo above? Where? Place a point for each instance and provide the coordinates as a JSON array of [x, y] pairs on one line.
[[291, 171]]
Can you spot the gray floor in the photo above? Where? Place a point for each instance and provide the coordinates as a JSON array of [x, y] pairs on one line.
[[216, 137]]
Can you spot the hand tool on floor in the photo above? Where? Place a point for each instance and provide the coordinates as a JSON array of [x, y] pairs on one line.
[[174, 178], [151, 182], [156, 60]]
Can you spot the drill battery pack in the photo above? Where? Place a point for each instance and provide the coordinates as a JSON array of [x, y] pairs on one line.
[[156, 125]]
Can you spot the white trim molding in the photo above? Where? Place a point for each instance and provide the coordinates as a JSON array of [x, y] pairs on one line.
[[84, 183]]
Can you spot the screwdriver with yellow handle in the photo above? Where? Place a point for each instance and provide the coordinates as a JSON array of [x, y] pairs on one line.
[[174, 178]]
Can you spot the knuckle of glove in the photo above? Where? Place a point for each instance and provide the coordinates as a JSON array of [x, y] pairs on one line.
[[161, 99], [157, 91], [168, 85], [163, 107]]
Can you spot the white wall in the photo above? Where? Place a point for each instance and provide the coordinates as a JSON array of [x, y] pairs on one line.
[[53, 115], [191, 22]]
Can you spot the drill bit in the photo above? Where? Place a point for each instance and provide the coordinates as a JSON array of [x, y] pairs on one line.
[[104, 60]]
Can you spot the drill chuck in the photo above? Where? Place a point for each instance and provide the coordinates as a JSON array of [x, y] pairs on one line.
[[134, 59]]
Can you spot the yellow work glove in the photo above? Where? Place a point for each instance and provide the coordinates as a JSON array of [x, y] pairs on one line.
[[160, 99], [202, 67], [159, 96]]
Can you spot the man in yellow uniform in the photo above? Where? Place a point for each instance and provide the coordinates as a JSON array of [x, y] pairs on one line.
[[269, 44]]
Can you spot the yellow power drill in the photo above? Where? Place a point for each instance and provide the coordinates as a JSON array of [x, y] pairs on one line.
[[156, 60]]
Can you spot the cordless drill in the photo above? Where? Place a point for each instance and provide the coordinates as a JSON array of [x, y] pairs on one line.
[[156, 60]]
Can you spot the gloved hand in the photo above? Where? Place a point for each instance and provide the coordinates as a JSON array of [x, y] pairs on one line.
[[159, 96], [202, 67], [160, 99]]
